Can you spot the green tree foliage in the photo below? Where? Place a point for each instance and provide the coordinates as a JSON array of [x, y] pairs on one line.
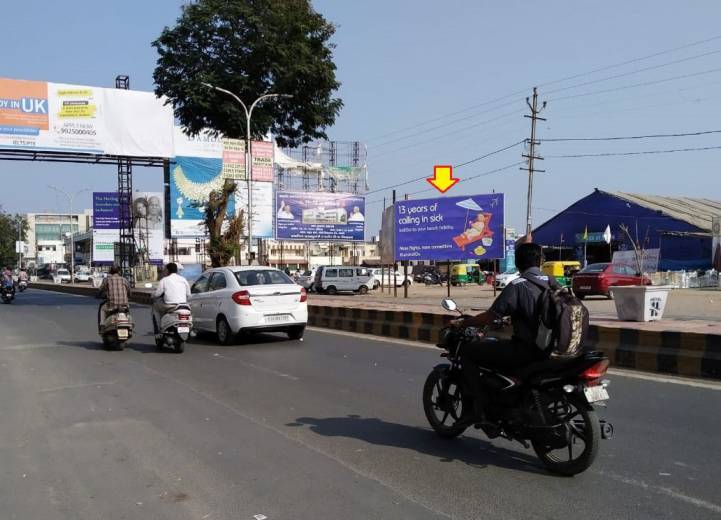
[[251, 48], [8, 236]]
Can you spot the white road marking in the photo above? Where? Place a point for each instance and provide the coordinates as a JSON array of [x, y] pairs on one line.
[[702, 504], [76, 386], [404, 342], [259, 368]]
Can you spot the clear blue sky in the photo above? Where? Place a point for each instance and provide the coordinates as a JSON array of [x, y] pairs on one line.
[[405, 63]]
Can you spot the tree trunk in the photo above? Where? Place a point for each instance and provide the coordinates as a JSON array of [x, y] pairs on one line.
[[223, 246]]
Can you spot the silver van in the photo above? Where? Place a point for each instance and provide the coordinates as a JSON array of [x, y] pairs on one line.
[[332, 279]]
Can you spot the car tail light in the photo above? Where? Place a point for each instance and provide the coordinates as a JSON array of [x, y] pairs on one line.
[[303, 295], [595, 371], [241, 298]]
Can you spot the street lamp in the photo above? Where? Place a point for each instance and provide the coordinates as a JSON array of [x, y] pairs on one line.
[[248, 158], [70, 198]]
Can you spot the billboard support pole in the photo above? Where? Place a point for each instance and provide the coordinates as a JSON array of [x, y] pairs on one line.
[[448, 281], [125, 200]]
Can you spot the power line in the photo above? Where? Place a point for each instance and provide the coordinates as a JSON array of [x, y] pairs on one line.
[[622, 138], [647, 152], [636, 85], [547, 83]]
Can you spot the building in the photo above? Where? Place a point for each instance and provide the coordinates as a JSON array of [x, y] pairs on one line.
[[46, 235], [680, 227]]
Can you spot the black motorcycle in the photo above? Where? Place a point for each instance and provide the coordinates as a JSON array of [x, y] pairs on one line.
[[548, 403], [7, 293]]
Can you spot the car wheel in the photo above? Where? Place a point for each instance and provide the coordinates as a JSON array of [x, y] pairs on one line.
[[609, 295], [376, 285], [331, 290], [363, 289], [296, 333], [223, 331]]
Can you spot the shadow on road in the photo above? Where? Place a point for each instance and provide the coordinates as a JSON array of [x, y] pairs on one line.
[[98, 345], [467, 450]]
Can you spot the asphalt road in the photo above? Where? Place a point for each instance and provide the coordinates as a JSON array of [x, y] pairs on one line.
[[331, 427]]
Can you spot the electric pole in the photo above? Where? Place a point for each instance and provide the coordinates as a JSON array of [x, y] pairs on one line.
[[531, 155]]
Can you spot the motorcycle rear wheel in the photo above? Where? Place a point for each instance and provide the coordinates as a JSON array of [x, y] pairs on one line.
[[179, 346], [582, 424], [443, 407]]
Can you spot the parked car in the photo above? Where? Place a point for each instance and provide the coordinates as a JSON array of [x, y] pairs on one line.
[[230, 301], [386, 278], [82, 275], [63, 274], [503, 279], [332, 279], [595, 279], [305, 279]]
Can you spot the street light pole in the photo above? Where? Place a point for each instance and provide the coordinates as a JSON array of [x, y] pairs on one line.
[[248, 157], [70, 198]]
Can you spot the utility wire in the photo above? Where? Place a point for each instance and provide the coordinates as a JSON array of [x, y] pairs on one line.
[[647, 152], [547, 83], [622, 138]]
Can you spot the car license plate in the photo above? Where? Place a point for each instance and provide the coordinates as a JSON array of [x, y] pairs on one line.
[[183, 330], [122, 333], [585, 287], [595, 393], [276, 318]]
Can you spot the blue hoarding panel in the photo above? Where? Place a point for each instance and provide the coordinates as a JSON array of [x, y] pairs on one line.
[[319, 216], [455, 228]]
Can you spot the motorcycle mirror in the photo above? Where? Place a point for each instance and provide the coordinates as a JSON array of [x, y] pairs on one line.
[[449, 304], [148, 285]]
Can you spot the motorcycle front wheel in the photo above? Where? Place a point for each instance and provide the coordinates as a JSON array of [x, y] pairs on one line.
[[583, 437], [444, 405]]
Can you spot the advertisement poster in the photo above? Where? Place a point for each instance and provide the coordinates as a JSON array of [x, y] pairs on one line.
[[104, 241], [649, 261], [320, 216], [450, 228], [262, 207], [57, 117], [106, 210], [262, 152], [233, 159], [148, 217]]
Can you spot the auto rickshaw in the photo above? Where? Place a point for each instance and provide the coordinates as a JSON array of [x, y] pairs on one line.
[[562, 271], [460, 274]]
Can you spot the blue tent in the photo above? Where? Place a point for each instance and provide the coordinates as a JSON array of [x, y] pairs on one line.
[[680, 227]]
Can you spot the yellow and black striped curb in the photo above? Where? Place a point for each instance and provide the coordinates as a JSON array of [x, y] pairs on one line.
[[691, 354], [688, 354]]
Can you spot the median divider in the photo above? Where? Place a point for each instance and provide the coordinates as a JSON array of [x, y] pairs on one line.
[[690, 354]]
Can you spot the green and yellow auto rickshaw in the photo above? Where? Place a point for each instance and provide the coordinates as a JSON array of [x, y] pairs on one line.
[[459, 274], [562, 271]]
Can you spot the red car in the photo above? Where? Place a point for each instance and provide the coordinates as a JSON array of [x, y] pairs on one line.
[[595, 279]]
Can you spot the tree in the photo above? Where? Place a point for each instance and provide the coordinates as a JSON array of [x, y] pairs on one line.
[[250, 47], [223, 246], [8, 236]]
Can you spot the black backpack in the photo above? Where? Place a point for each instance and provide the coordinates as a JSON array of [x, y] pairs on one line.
[[563, 321]]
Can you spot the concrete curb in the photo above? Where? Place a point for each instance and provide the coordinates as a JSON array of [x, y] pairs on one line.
[[684, 354]]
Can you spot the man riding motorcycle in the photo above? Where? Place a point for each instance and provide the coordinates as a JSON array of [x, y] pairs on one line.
[[115, 292], [7, 279], [173, 289], [519, 301]]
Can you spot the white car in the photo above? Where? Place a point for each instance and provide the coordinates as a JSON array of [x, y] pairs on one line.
[[386, 278], [503, 279], [305, 279], [233, 300], [82, 276], [63, 275]]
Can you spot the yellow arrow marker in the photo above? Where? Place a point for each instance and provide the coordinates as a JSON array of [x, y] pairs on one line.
[[442, 179]]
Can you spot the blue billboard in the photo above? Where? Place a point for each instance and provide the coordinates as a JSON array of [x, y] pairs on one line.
[[450, 228], [319, 216]]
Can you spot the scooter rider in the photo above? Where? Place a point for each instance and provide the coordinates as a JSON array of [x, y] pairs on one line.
[[115, 292], [7, 279], [173, 289], [519, 301]]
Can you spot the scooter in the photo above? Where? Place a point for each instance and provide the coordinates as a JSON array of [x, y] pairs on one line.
[[117, 327], [175, 327], [22, 285]]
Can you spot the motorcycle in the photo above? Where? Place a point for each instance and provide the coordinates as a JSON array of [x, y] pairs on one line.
[[432, 278], [22, 285], [176, 326], [7, 292], [549, 403], [117, 327]]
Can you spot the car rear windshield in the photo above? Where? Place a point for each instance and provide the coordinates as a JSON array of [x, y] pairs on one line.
[[262, 277], [594, 268]]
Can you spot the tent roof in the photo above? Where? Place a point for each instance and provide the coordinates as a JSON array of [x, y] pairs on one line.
[[697, 212]]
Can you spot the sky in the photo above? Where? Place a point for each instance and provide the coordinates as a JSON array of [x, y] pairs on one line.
[[428, 82]]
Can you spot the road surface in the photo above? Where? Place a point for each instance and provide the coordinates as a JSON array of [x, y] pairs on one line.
[[331, 427]]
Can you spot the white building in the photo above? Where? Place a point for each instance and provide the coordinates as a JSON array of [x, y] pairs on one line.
[[46, 234]]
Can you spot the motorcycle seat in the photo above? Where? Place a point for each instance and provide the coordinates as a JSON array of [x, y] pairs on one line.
[[114, 310], [550, 366]]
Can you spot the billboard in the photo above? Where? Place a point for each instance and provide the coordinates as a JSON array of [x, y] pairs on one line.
[[37, 115], [319, 216], [201, 165], [450, 228], [649, 259], [106, 222], [262, 208]]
